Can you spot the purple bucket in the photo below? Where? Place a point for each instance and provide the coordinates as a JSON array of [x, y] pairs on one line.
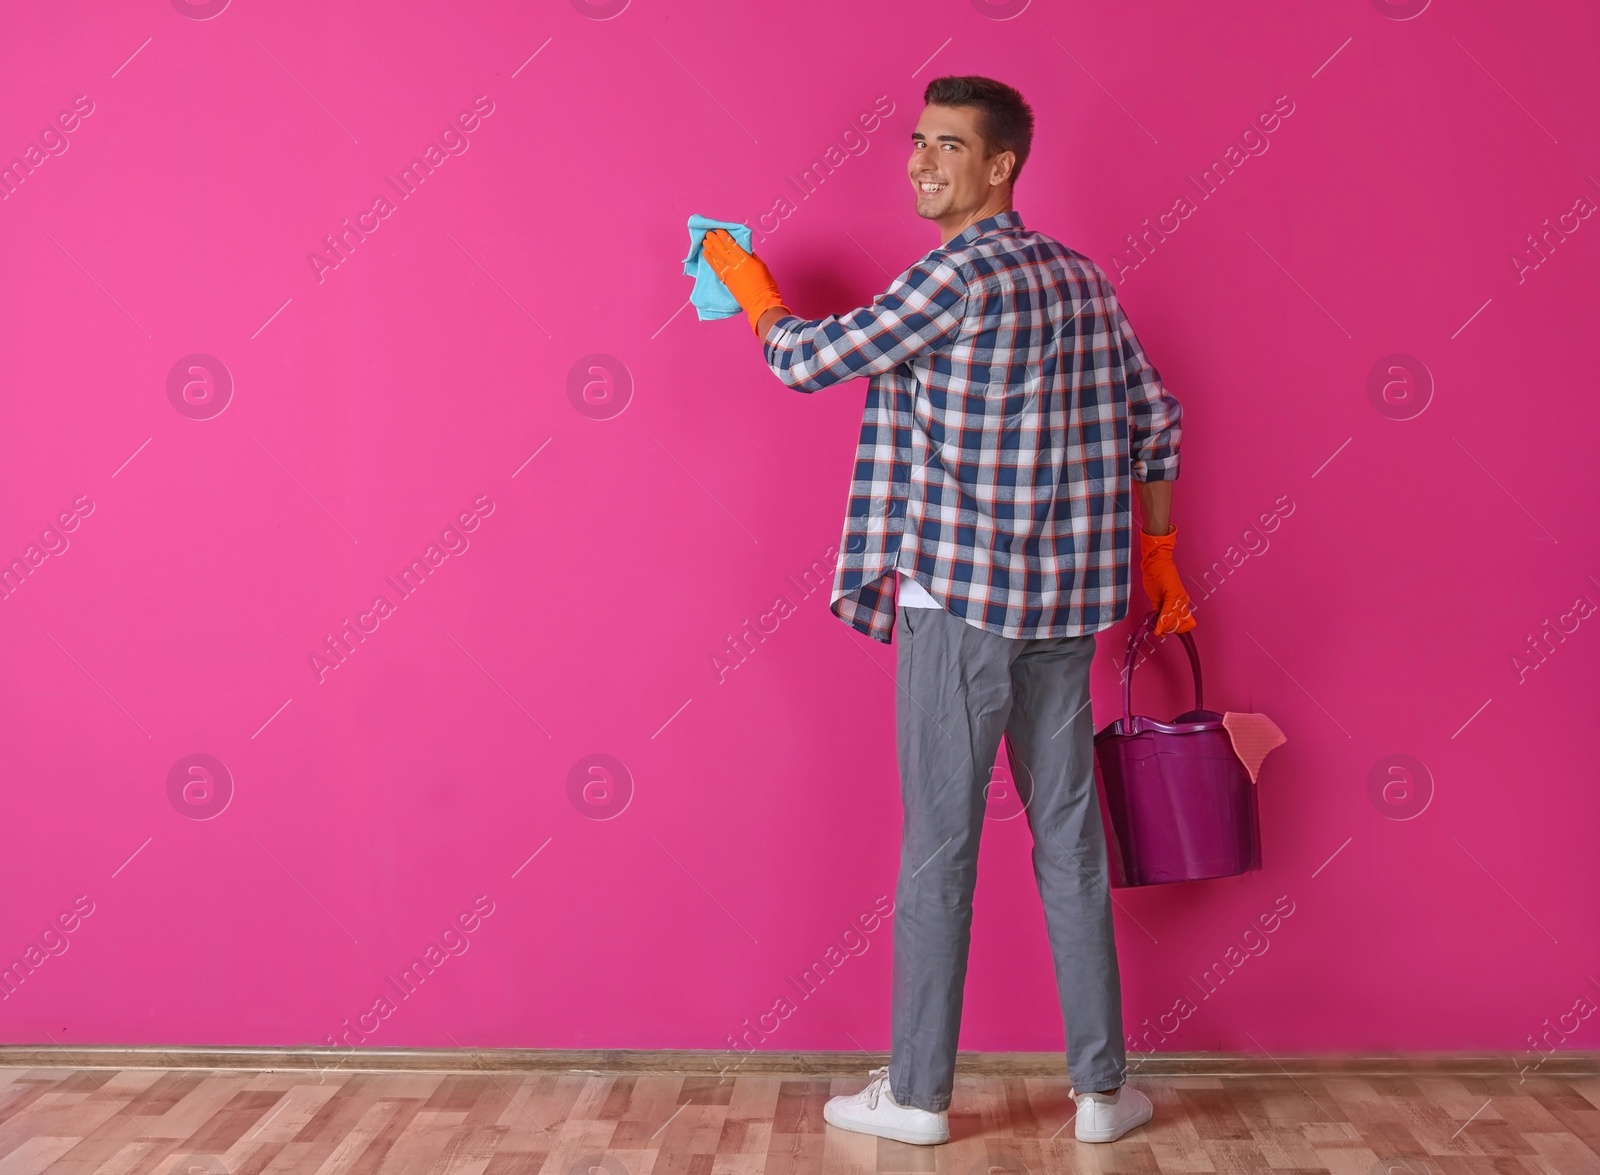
[[1177, 802]]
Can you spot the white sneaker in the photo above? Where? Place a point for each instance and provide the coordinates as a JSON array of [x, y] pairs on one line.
[[1107, 1117], [874, 1111]]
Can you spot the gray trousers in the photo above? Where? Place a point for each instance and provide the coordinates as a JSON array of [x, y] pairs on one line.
[[960, 688]]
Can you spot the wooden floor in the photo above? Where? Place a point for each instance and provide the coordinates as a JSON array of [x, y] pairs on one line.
[[189, 1122]]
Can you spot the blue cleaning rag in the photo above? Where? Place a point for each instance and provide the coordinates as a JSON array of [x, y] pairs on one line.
[[710, 297]]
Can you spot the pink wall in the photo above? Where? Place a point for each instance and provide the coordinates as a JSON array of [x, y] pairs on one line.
[[439, 371]]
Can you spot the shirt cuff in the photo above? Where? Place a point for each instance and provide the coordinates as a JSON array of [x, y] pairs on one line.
[[1155, 469]]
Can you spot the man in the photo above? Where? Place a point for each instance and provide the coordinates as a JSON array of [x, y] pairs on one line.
[[1009, 405]]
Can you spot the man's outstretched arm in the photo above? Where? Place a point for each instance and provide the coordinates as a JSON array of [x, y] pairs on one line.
[[921, 311]]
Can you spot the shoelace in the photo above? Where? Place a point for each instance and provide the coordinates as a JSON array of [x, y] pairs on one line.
[[880, 1079]]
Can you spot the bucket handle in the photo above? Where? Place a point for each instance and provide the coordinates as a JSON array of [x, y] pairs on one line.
[[1146, 627]]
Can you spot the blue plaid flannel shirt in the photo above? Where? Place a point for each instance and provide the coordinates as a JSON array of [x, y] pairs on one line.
[[1009, 404]]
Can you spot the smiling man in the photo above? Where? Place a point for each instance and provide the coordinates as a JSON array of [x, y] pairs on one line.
[[1009, 407]]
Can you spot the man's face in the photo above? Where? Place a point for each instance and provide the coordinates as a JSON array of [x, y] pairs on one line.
[[948, 170]]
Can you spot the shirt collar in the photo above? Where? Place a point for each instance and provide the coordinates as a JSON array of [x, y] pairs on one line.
[[1010, 218]]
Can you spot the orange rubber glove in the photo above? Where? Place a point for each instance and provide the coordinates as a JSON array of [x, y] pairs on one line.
[[1163, 585], [745, 275]]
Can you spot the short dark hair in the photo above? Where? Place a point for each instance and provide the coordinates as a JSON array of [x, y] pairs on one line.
[[1005, 120]]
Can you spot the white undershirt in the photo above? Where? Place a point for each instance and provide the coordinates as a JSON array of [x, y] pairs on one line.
[[913, 594]]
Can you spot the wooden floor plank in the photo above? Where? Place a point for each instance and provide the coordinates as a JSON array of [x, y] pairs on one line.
[[517, 1163], [197, 1107], [523, 1123], [37, 1153], [352, 1144], [421, 1143], [122, 1161], [165, 1092], [469, 1151]]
